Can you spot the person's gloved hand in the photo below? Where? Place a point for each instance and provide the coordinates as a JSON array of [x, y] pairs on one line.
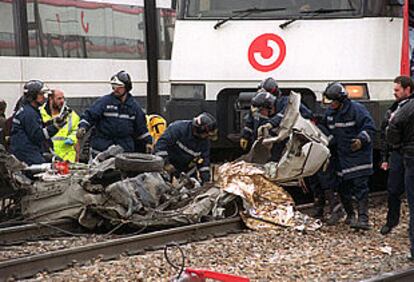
[[148, 148], [59, 122], [244, 143], [356, 145], [81, 132], [169, 168], [263, 131], [68, 142]]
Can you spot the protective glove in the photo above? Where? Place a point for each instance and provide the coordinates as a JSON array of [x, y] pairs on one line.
[[68, 142], [81, 132], [169, 168], [148, 148], [244, 143], [59, 122], [263, 131], [356, 145]]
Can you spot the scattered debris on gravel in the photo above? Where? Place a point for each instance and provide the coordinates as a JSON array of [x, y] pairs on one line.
[[331, 253]]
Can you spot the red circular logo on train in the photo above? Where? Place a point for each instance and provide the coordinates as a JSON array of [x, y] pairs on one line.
[[267, 52]]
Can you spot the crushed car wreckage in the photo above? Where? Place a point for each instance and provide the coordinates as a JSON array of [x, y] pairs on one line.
[[132, 189]]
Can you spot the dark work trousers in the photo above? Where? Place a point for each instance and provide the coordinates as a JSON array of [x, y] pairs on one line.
[[357, 187], [395, 188], [409, 188]]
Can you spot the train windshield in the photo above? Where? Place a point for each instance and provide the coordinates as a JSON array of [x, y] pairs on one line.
[[257, 9]]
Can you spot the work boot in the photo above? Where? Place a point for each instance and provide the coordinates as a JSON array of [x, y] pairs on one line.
[[363, 222], [386, 229], [350, 218], [350, 214], [335, 208], [318, 207]]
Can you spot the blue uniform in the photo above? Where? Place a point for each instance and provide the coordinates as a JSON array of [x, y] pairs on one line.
[[116, 123], [29, 137], [179, 147], [352, 121], [253, 122]]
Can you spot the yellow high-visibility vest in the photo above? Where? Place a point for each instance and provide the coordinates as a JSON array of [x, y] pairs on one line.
[[66, 152], [156, 125]]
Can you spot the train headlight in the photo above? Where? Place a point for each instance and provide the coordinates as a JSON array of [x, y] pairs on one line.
[[357, 91]]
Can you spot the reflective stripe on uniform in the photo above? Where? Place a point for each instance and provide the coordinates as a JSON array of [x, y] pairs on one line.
[[117, 115], [345, 124], [354, 169], [16, 121], [146, 134], [58, 138], [204, 168], [45, 133], [248, 129], [85, 121], [366, 135], [188, 150]]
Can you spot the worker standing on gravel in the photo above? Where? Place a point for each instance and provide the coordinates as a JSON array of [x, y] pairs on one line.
[[400, 134], [392, 156], [185, 146], [118, 119], [65, 140], [29, 137], [351, 129]]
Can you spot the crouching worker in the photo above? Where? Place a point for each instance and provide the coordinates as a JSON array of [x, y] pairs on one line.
[[185, 146], [29, 137], [351, 128], [65, 140]]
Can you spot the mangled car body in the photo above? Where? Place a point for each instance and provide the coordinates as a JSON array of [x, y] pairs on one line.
[[133, 190]]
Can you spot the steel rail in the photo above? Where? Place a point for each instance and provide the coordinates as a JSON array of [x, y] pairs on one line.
[[35, 231], [58, 260]]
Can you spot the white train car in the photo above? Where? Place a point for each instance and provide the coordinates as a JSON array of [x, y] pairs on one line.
[[76, 45]]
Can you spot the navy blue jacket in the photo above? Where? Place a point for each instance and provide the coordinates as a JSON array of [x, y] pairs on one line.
[[254, 122], [116, 123], [29, 137], [351, 121], [179, 147]]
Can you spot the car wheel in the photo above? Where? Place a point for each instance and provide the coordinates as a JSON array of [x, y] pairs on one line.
[[137, 162]]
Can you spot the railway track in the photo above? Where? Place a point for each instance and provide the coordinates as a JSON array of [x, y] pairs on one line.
[[57, 260], [35, 231]]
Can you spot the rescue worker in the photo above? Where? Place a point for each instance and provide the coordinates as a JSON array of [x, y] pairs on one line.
[[156, 126], [3, 126], [65, 140], [118, 119], [29, 138], [392, 157], [400, 134], [249, 134], [185, 146], [352, 130], [268, 85]]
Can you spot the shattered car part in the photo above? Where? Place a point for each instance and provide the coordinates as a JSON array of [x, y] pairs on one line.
[[267, 205]]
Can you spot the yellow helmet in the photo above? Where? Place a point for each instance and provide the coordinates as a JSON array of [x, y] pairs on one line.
[[156, 126]]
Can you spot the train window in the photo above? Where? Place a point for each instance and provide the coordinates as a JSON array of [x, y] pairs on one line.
[[7, 39], [166, 20], [86, 29]]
